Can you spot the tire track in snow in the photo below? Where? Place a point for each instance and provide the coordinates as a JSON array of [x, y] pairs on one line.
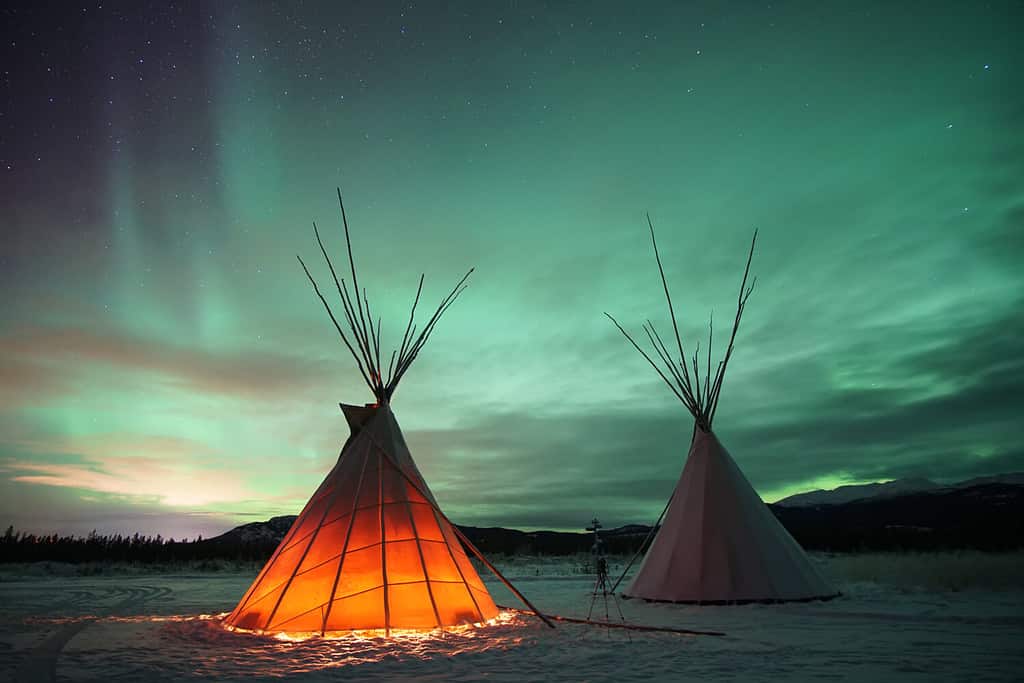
[[41, 661]]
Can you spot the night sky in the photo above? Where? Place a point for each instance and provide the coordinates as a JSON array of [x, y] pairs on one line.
[[165, 366]]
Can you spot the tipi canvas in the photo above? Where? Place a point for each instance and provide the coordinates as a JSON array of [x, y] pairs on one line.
[[371, 550], [718, 542]]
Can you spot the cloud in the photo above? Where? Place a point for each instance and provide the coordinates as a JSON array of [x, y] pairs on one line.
[[537, 470], [41, 362], [42, 509], [946, 410], [113, 478], [164, 470], [24, 383]]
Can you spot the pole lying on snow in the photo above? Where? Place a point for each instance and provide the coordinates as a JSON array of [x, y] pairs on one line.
[[546, 618], [629, 627], [494, 570], [462, 537]]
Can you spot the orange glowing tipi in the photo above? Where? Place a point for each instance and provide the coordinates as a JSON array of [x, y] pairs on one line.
[[371, 549]]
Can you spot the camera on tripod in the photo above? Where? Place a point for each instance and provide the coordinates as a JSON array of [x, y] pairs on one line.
[[601, 585], [597, 550]]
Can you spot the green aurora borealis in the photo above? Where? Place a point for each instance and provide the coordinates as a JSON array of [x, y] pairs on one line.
[[165, 367]]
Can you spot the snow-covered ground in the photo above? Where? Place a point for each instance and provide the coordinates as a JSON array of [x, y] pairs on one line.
[[165, 627]]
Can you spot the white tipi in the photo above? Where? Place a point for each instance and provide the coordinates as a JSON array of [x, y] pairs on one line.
[[372, 549], [719, 542]]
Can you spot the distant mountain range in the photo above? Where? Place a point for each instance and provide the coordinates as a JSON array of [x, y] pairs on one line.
[[257, 533], [897, 487], [986, 513], [488, 539]]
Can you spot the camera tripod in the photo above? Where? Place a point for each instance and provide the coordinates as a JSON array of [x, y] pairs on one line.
[[602, 587]]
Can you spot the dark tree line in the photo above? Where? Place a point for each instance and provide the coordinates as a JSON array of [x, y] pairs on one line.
[[987, 517], [25, 547]]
